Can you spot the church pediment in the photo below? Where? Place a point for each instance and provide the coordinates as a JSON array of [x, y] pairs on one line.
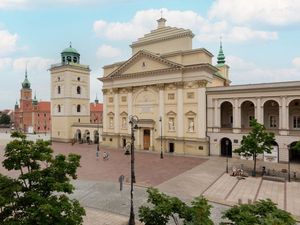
[[144, 61]]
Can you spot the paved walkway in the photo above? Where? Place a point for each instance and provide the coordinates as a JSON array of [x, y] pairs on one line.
[[228, 190], [194, 182]]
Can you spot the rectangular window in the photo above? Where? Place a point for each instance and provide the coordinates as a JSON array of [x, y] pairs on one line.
[[123, 99], [171, 96], [273, 122], [110, 99], [190, 95], [296, 122]]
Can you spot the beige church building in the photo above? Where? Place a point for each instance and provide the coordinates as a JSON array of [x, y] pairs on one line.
[[187, 104]]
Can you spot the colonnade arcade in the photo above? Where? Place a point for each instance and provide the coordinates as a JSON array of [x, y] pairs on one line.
[[86, 136], [281, 116]]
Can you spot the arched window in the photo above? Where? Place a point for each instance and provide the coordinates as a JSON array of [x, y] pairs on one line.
[[78, 90], [78, 108], [58, 108], [75, 59], [58, 90]]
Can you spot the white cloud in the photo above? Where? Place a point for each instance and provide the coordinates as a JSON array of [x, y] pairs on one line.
[[7, 42], [29, 4], [33, 63], [5, 63], [107, 51], [296, 62], [275, 12], [245, 72], [205, 30]]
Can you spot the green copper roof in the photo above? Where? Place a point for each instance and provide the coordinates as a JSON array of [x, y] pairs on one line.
[[221, 56], [70, 50], [96, 100], [26, 83], [34, 101]]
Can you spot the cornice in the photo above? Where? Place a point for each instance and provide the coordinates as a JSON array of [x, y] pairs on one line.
[[174, 36]]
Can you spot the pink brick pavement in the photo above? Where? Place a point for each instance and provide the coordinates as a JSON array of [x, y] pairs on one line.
[[150, 169]]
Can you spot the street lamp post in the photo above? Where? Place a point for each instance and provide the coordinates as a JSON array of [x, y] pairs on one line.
[[161, 151], [289, 164], [226, 144], [133, 121]]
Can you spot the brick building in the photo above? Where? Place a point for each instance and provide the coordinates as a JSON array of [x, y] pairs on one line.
[[31, 116]]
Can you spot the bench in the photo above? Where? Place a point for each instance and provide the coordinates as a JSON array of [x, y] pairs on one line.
[[273, 178]]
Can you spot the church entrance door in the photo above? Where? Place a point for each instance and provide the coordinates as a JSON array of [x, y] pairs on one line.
[[146, 139]]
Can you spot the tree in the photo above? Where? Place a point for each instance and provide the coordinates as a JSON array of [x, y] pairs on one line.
[[38, 194], [4, 119], [256, 142], [165, 207], [263, 212]]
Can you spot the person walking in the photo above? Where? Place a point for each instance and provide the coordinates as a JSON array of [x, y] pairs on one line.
[[97, 153]]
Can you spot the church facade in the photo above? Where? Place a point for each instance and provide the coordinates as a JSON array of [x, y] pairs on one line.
[[164, 85], [186, 104]]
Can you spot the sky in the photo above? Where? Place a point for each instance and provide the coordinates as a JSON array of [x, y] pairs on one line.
[[260, 37]]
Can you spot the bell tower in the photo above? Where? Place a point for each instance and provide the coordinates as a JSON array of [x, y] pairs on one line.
[[70, 95]]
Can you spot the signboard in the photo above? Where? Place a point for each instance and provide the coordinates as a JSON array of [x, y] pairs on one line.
[[273, 156]]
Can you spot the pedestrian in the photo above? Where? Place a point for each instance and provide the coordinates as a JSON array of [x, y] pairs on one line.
[[105, 156], [97, 154]]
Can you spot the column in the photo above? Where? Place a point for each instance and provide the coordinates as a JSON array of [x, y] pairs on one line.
[[151, 139], [129, 109], [180, 116], [283, 117], [236, 117], [161, 107], [105, 118], [116, 111], [217, 115], [259, 112], [201, 114]]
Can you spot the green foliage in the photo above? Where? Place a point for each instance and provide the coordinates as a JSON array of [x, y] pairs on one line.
[[4, 119], [263, 212], [256, 142], [38, 194], [164, 207], [296, 146]]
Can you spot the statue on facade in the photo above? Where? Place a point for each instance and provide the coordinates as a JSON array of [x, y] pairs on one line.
[[191, 126], [171, 124]]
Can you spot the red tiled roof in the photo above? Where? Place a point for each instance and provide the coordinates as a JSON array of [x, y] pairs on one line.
[[96, 107], [44, 106]]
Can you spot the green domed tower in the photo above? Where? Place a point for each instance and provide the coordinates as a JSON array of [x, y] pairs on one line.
[[26, 83], [34, 101], [70, 55]]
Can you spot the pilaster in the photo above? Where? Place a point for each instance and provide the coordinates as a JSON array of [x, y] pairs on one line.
[[180, 116], [116, 110], [201, 108]]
